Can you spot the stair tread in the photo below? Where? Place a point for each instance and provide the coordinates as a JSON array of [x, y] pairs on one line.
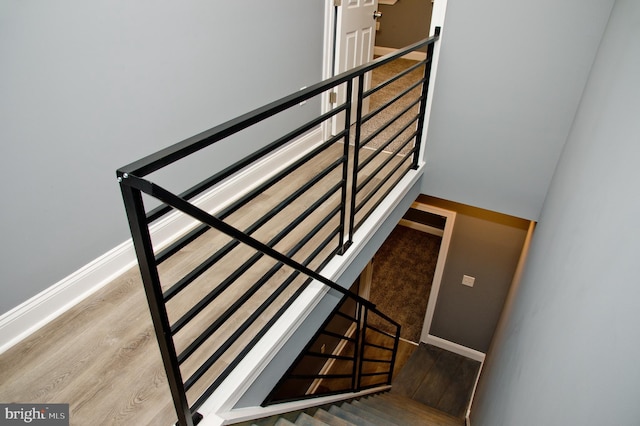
[[417, 407], [306, 420], [367, 415], [331, 419], [402, 409], [283, 422], [377, 412], [351, 417]]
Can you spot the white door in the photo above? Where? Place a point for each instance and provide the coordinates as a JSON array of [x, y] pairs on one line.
[[355, 39]]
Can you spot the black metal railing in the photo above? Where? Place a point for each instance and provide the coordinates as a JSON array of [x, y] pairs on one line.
[[348, 354], [216, 290]]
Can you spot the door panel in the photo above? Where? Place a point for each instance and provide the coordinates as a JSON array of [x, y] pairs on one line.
[[355, 39]]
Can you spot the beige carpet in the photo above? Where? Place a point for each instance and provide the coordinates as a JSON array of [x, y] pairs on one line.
[[380, 75]]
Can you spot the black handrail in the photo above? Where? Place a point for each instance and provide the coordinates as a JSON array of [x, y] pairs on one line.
[[173, 153], [133, 184]]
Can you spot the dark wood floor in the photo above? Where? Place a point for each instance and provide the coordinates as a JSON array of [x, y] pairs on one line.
[[439, 379]]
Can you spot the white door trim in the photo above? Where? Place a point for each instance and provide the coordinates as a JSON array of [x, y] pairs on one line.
[[328, 47], [450, 217], [437, 20]]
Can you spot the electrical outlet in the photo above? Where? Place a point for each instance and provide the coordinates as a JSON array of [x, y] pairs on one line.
[[468, 281]]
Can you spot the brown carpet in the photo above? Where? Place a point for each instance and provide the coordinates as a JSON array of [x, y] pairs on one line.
[[403, 270]]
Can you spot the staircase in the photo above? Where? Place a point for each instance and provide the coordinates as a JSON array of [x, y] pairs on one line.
[[386, 409]]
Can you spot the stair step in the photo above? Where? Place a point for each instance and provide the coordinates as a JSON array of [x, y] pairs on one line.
[[283, 422], [377, 412], [367, 415], [397, 412], [406, 413], [353, 418], [423, 410], [331, 419], [306, 420]]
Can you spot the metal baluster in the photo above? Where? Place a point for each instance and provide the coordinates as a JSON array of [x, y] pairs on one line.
[[423, 102], [144, 250]]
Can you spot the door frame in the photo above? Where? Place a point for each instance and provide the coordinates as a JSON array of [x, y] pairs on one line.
[[450, 218], [328, 54], [329, 50]]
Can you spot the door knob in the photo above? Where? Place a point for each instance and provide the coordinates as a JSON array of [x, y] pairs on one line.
[[377, 14]]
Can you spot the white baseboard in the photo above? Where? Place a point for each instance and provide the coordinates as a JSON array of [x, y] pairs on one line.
[[455, 348], [36, 312], [414, 56]]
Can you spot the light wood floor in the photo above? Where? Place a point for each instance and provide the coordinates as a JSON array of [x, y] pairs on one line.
[[102, 357]]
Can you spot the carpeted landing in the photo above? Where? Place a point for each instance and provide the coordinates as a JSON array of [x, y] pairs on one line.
[[403, 270]]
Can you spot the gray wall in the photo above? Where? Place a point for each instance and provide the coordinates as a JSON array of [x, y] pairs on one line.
[[569, 351], [509, 81], [403, 23], [87, 87], [485, 245]]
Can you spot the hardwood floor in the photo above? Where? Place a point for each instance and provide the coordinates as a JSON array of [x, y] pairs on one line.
[[439, 379], [102, 357]]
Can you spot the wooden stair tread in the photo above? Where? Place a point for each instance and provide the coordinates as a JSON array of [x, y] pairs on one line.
[[306, 420], [331, 419], [353, 418], [407, 412], [376, 411], [413, 406], [367, 415]]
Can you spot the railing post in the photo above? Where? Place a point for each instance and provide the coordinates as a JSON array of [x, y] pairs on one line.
[[423, 102], [356, 347], [363, 339], [356, 156], [396, 341], [345, 170], [151, 280]]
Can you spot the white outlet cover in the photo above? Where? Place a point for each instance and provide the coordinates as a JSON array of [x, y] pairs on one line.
[[468, 281]]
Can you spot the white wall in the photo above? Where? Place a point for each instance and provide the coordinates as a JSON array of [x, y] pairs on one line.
[[569, 350], [509, 80], [88, 86]]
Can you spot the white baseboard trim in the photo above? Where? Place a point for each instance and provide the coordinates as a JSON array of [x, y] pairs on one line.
[[455, 348], [36, 312], [44, 307], [414, 56]]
